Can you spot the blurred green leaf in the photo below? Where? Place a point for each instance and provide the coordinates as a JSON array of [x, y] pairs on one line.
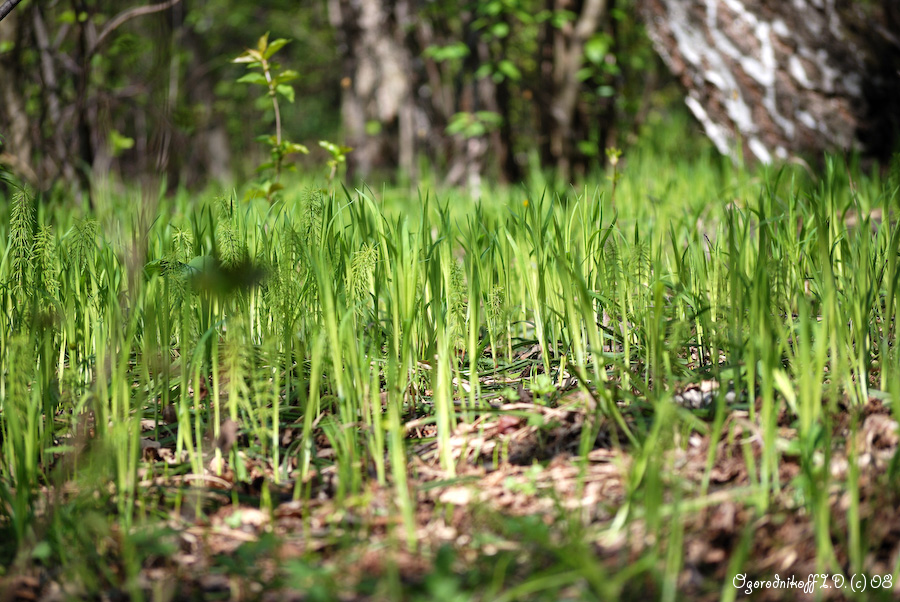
[[500, 30], [250, 56], [275, 47], [588, 148], [263, 43], [373, 127], [288, 75], [336, 151], [606, 91], [293, 148], [508, 69], [584, 73], [455, 51], [42, 551], [253, 78], [596, 47], [561, 17], [286, 91], [119, 143], [489, 117]]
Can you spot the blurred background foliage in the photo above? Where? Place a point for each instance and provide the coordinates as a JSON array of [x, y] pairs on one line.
[[95, 88], [453, 91], [157, 94]]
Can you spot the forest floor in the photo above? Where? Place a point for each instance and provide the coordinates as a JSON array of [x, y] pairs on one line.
[[644, 391], [538, 517]]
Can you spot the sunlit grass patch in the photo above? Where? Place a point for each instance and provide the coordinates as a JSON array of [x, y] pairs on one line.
[[597, 391]]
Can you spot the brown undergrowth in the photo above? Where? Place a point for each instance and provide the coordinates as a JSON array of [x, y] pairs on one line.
[[520, 497]]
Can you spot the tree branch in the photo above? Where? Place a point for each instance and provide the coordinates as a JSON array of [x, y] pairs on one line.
[[127, 15], [7, 6]]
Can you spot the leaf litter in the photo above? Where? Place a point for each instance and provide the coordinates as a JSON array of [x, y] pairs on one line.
[[514, 462]]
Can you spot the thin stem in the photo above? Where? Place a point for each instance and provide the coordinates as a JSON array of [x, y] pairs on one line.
[[274, 96]]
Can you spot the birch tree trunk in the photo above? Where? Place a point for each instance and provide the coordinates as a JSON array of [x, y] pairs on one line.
[[785, 77]]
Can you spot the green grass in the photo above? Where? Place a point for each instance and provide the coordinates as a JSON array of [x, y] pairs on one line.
[[285, 392]]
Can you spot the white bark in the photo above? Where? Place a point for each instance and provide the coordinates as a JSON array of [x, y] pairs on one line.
[[782, 77]]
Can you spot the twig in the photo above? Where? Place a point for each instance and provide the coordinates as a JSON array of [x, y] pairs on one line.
[[127, 15], [7, 7]]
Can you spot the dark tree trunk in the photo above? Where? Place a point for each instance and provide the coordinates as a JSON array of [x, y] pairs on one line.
[[15, 145], [509, 167], [62, 134], [563, 58], [785, 77], [84, 112]]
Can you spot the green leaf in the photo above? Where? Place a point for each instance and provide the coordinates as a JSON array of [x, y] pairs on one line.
[[484, 71], [42, 551], [293, 148], [263, 43], [249, 56], [337, 151], [373, 127], [500, 30], [459, 123], [489, 117], [153, 267], [286, 76], [331, 147], [588, 148], [457, 50], [253, 78], [561, 17], [492, 8], [606, 91], [119, 143], [286, 91], [596, 47], [508, 69], [203, 263], [275, 47]]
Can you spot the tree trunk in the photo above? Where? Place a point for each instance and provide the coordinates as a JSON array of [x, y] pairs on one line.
[[377, 109], [398, 99], [560, 74], [785, 77], [62, 134], [15, 144]]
